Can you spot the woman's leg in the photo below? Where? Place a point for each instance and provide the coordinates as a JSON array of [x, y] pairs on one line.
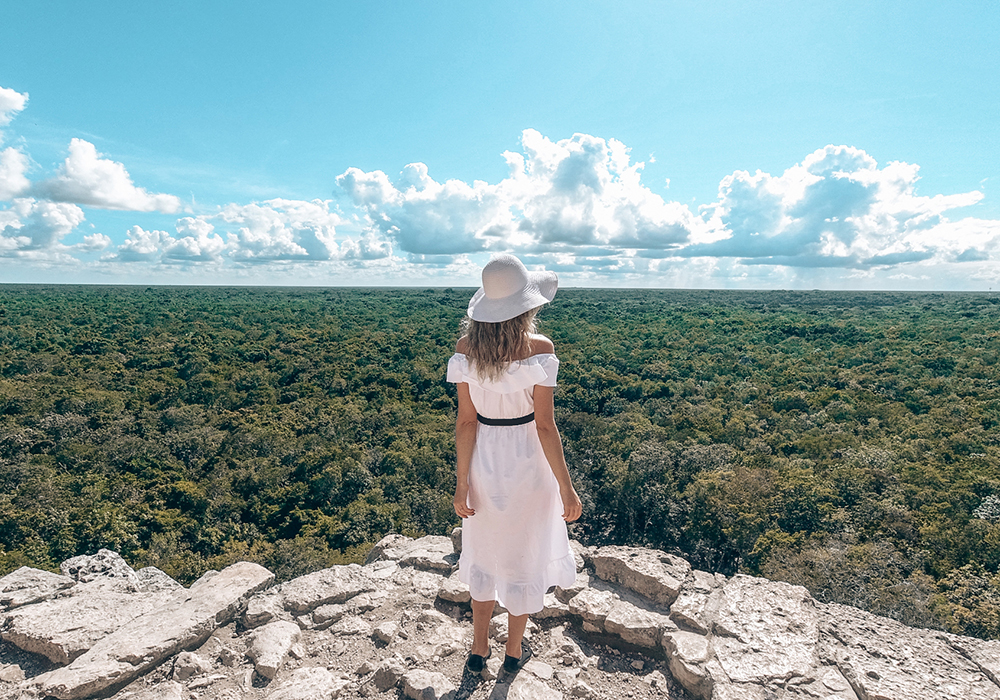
[[482, 613], [515, 633]]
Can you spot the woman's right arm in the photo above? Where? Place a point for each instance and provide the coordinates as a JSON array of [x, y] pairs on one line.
[[465, 440]]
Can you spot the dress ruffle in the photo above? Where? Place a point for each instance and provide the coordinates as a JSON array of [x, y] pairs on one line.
[[524, 374], [519, 597]]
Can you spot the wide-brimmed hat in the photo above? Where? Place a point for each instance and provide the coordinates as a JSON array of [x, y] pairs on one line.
[[509, 290]]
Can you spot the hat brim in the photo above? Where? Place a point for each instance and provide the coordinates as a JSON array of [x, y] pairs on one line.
[[540, 289]]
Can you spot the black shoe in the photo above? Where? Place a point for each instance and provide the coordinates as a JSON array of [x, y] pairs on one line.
[[512, 664], [476, 663]]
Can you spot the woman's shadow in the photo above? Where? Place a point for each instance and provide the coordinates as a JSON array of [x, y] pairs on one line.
[[471, 681]]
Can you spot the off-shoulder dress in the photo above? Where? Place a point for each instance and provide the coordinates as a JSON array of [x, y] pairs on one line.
[[516, 546]]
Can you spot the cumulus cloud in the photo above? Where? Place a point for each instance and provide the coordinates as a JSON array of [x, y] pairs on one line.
[[838, 209], [87, 178], [579, 191], [13, 166], [31, 228], [11, 102]]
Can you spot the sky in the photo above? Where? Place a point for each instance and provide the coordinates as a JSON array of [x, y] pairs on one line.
[[771, 145]]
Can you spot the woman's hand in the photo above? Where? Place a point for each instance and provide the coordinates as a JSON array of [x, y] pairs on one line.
[[461, 503], [572, 508]]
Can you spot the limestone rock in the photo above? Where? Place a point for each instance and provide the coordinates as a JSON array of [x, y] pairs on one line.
[[552, 608], [764, 630], [431, 553], [565, 594], [338, 584], [652, 574], [883, 658], [326, 615], [188, 664], [387, 548], [385, 632], [310, 683], [593, 606], [146, 641], [263, 608], [689, 654], [11, 673], [167, 690], [635, 625], [25, 586], [427, 685], [152, 579], [64, 627], [456, 540], [498, 628], [388, 673], [688, 611], [525, 687], [351, 624], [104, 564], [270, 644], [453, 590], [581, 554]]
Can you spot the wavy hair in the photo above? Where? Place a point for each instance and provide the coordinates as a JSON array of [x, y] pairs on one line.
[[493, 346]]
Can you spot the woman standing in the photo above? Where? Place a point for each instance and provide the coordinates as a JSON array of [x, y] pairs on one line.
[[513, 488]]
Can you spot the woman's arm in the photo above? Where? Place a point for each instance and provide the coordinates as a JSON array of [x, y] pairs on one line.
[[465, 440], [548, 435]]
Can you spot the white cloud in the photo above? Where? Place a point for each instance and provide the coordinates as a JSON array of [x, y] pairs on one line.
[[578, 191], [281, 229], [13, 166], [11, 102], [31, 228], [87, 178], [839, 209]]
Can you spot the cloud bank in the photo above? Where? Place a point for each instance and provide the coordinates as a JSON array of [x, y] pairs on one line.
[[576, 205]]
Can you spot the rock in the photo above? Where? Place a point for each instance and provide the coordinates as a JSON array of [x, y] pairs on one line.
[[656, 679], [539, 669], [188, 664], [311, 683], [230, 658], [581, 690], [456, 540], [986, 655], [385, 632], [593, 606], [167, 690], [882, 658], [552, 608], [326, 615], [388, 673], [351, 624], [427, 685], [764, 630], [152, 579], [524, 687], [638, 665], [565, 594], [263, 608], [453, 590], [11, 673], [498, 628], [491, 671], [25, 586], [688, 611], [565, 648], [650, 573], [338, 584], [431, 553], [580, 554], [367, 601], [635, 625], [64, 627], [688, 654], [104, 564], [270, 644], [132, 650], [390, 544]]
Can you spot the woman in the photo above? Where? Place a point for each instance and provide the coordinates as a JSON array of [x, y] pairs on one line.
[[513, 488]]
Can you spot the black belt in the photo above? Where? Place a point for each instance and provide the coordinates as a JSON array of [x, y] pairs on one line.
[[506, 421]]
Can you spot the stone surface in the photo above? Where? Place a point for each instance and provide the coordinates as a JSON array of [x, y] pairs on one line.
[[652, 574], [148, 640], [385, 632], [310, 683], [453, 590], [338, 584], [524, 686], [167, 690], [388, 673], [764, 630], [11, 673], [104, 564], [689, 654], [387, 548], [427, 685], [264, 607], [592, 605], [456, 540], [25, 586], [64, 627], [152, 579], [432, 553], [635, 625], [188, 664], [270, 645], [688, 611]]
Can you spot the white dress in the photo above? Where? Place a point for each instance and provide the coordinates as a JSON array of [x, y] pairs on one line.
[[515, 547]]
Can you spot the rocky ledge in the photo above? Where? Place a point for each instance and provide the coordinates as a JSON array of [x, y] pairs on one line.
[[638, 623]]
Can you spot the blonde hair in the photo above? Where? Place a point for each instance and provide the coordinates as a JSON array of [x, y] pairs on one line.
[[493, 346]]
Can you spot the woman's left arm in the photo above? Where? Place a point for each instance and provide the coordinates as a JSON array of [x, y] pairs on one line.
[[548, 435]]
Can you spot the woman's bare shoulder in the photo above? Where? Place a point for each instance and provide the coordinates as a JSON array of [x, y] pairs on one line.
[[462, 345], [540, 345]]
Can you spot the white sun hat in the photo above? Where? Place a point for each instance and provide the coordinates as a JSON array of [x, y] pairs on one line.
[[510, 290]]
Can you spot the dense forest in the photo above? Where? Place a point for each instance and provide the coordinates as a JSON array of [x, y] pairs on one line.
[[847, 442]]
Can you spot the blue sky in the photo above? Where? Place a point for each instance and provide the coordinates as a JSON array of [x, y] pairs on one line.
[[842, 145]]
